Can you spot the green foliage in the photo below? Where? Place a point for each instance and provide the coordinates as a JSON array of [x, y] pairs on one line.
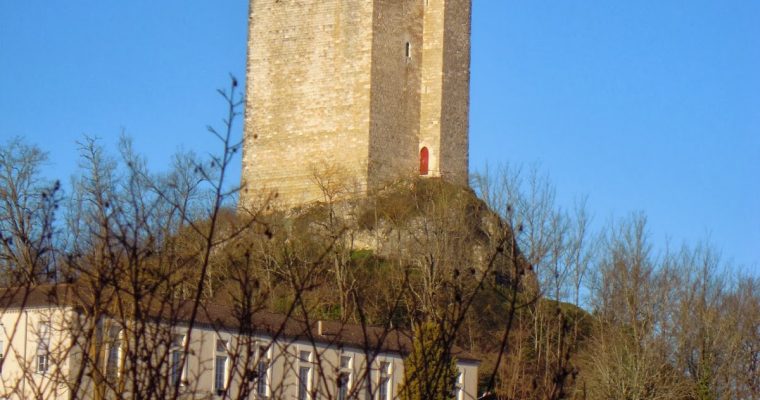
[[572, 316], [430, 371], [361, 256], [704, 389]]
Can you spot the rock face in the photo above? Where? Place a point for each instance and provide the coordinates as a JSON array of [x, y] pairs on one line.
[[419, 221], [360, 92]]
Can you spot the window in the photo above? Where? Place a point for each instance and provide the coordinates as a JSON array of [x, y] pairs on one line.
[[424, 157], [43, 347], [344, 377], [113, 354], [408, 51], [261, 376], [112, 363], [368, 393], [304, 375], [220, 372], [458, 385], [176, 370], [385, 381], [383, 389], [178, 340], [262, 371], [303, 383], [220, 367], [2, 354]]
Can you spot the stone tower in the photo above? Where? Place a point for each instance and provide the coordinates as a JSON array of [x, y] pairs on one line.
[[358, 91]]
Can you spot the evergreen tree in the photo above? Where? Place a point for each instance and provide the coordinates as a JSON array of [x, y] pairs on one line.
[[430, 372]]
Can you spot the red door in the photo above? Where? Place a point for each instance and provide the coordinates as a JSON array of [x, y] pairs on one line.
[[424, 161]]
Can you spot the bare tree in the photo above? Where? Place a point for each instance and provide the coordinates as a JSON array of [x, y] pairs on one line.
[[543, 343], [628, 357], [28, 205]]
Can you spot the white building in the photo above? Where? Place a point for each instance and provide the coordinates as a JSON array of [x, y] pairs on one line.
[[53, 347]]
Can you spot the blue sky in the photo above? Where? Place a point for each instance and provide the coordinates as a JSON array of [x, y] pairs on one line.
[[647, 106]]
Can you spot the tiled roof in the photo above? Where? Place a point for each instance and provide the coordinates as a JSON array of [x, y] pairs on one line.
[[371, 339]]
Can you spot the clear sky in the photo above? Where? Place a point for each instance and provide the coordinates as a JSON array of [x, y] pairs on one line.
[[647, 106]]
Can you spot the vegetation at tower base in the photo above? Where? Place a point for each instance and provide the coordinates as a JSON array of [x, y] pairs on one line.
[[428, 250], [430, 371]]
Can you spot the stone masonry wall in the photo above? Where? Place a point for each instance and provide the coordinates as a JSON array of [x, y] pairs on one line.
[[395, 100], [444, 106], [332, 93], [432, 83], [456, 92], [308, 95]]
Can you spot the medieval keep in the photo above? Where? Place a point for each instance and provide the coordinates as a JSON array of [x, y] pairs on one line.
[[358, 91]]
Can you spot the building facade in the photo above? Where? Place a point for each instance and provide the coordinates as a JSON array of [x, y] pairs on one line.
[[48, 353], [356, 93]]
